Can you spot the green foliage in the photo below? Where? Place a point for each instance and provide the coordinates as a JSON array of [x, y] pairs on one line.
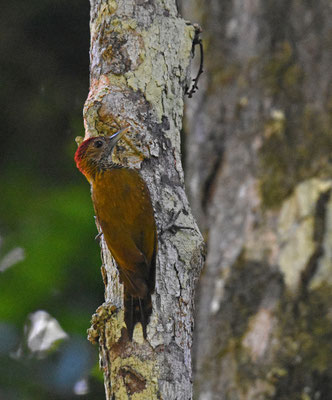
[[45, 204], [60, 273], [56, 227]]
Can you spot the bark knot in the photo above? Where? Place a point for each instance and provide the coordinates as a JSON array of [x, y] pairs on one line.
[[133, 381]]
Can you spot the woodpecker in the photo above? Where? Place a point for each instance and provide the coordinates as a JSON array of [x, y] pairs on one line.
[[124, 211]]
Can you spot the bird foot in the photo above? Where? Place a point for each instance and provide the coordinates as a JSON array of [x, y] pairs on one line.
[[98, 237]]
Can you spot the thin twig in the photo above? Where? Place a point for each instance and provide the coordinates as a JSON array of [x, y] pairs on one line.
[[197, 41]]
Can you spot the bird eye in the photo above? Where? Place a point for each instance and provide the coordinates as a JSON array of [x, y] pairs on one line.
[[98, 143]]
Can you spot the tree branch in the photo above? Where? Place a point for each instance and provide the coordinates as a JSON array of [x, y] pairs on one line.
[[140, 55]]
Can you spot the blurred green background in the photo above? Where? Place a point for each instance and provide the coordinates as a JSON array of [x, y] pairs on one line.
[[50, 281]]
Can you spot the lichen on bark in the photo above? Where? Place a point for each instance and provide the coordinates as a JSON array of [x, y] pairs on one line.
[[140, 55]]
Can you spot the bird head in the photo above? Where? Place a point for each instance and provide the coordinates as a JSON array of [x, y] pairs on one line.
[[96, 152]]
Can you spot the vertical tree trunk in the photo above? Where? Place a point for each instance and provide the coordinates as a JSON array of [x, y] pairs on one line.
[[140, 53], [259, 145]]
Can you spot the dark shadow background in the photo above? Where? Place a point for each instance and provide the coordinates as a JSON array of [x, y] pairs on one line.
[[45, 206]]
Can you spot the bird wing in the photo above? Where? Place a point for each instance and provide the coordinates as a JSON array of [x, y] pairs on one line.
[[124, 211]]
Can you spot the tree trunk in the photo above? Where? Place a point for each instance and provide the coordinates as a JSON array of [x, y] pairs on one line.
[[140, 54], [259, 145]]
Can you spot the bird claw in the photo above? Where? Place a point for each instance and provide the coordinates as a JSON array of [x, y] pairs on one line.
[[98, 237]]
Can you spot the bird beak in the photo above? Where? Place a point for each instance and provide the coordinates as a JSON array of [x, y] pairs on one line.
[[118, 135]]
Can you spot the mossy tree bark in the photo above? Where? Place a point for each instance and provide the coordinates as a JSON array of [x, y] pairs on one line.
[[140, 54], [259, 144]]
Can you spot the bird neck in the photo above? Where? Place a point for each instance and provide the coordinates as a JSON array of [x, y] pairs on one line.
[[92, 168]]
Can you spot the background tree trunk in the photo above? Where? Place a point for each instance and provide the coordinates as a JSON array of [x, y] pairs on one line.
[[140, 53], [258, 150]]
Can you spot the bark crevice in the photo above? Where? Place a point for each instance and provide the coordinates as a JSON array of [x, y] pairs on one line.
[[140, 54]]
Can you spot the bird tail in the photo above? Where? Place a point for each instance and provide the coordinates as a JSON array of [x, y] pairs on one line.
[[137, 309], [137, 295]]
